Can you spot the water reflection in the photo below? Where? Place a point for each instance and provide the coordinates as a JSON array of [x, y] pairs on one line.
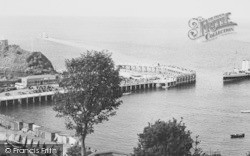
[[12, 108], [236, 82], [184, 87]]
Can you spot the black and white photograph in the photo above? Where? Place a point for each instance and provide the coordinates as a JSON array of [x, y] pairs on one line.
[[124, 78]]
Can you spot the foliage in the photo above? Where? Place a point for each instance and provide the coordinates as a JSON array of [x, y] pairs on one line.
[[164, 138], [38, 64], [20, 61], [75, 150], [92, 93]]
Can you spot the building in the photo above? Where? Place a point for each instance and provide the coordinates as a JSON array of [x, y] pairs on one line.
[[27, 126], [9, 123], [45, 133], [37, 80], [65, 138]]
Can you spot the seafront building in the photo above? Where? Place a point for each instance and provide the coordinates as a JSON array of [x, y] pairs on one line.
[[35, 88], [37, 80]]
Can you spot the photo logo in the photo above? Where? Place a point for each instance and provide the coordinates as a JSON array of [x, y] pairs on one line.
[[210, 28]]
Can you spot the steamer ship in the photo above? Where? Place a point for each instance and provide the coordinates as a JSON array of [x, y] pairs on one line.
[[238, 74]]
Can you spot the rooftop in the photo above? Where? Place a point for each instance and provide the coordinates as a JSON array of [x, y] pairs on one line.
[[47, 129]]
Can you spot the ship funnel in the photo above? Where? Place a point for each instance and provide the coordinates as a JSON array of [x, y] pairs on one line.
[[245, 65]]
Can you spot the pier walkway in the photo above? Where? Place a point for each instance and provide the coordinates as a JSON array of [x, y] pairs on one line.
[[134, 78], [15, 98]]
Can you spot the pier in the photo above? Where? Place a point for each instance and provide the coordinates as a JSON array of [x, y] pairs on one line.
[[135, 78], [27, 98], [157, 76], [137, 85]]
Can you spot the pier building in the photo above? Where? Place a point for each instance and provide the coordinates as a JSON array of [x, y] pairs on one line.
[[37, 80]]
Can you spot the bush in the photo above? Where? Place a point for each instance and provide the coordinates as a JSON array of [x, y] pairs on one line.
[[164, 138], [75, 150]]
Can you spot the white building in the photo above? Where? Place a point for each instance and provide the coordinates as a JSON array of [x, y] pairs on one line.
[[38, 80]]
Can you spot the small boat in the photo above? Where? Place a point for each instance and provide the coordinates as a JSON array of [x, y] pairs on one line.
[[245, 111], [238, 135]]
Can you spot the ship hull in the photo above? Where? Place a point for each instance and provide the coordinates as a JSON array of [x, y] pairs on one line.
[[236, 77]]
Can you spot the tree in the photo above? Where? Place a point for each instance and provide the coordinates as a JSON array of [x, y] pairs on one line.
[[92, 92], [75, 150], [164, 138]]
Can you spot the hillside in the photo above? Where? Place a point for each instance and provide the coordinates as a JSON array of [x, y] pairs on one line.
[[15, 59]]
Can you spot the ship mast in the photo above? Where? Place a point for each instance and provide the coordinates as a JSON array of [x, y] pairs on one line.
[[235, 58]]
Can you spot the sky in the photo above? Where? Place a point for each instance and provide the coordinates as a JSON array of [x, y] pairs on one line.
[[125, 8]]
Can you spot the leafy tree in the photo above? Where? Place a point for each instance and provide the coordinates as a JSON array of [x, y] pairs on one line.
[[75, 150], [164, 139], [92, 92]]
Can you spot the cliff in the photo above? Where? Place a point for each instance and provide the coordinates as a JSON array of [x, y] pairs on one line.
[[14, 59]]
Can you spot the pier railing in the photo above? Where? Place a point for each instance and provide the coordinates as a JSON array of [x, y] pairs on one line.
[[158, 69]]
